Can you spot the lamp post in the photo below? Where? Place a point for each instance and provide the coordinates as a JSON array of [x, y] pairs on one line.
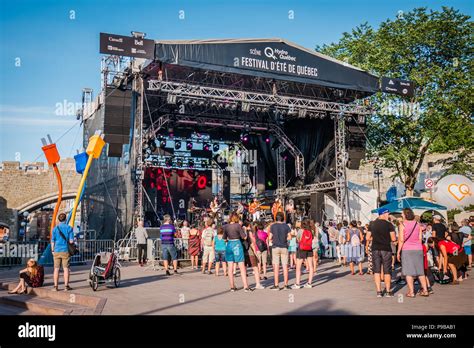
[[377, 173]]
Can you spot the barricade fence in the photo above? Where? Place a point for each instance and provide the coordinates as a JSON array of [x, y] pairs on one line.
[[128, 249]]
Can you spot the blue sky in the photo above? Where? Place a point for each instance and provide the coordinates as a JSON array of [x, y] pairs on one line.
[[47, 56]]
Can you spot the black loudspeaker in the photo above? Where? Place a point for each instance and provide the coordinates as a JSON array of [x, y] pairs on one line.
[[117, 111], [226, 185], [317, 206], [356, 142]]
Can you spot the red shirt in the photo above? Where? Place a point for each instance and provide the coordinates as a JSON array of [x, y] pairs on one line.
[[451, 247]]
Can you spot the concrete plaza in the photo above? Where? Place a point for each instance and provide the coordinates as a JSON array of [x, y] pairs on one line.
[[145, 291]]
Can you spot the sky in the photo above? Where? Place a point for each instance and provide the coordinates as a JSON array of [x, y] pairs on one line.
[[49, 50]]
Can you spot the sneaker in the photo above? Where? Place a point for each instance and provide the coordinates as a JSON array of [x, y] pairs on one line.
[[286, 287], [233, 289], [445, 277], [388, 294], [274, 287], [379, 294], [67, 288], [248, 289], [308, 286], [260, 287], [295, 286], [168, 273], [176, 272]]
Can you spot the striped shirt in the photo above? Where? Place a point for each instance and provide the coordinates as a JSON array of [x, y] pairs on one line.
[[167, 232]]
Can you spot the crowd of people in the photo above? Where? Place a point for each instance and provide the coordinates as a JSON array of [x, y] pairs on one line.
[[425, 251]]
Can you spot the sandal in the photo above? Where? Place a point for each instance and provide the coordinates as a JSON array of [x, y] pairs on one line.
[[13, 292], [410, 295], [424, 294]]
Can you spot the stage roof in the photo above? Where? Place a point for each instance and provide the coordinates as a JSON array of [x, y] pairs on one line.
[[268, 58]]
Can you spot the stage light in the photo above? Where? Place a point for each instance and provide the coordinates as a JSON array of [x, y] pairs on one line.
[[215, 147], [238, 153], [191, 163], [163, 143], [177, 145], [244, 137], [245, 107], [206, 147], [189, 145], [269, 183], [171, 98], [179, 162], [267, 140]]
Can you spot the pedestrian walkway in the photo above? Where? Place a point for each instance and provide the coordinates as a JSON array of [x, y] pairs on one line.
[[335, 292]]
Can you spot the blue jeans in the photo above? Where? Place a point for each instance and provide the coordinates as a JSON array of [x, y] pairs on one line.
[[169, 250]]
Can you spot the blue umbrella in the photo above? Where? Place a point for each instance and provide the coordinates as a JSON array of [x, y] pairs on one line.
[[410, 202]]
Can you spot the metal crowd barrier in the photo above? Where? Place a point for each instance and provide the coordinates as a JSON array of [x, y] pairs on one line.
[[128, 250], [18, 253]]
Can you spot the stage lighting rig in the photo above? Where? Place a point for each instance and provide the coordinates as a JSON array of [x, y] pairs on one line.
[[177, 144], [215, 147], [189, 145]]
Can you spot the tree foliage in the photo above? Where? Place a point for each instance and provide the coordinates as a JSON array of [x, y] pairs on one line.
[[435, 50]]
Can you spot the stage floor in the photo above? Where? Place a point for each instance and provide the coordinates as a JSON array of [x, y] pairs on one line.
[[336, 292]]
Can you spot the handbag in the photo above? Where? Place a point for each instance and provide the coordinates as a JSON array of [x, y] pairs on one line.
[[71, 247]]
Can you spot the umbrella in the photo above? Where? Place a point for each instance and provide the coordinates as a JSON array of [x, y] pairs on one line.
[[418, 205]]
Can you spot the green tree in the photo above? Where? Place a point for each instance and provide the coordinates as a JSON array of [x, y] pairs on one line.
[[435, 50]]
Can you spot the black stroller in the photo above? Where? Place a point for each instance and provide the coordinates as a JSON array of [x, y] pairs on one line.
[[105, 270]]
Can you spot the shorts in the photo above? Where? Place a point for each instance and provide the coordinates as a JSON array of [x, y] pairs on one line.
[[304, 254], [280, 254], [208, 254], [262, 256], [220, 255], [467, 250], [61, 258], [382, 257], [251, 260], [234, 251], [169, 250]]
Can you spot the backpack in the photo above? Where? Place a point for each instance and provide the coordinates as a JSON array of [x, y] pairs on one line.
[[207, 236], [261, 245], [306, 242], [355, 239], [457, 237]]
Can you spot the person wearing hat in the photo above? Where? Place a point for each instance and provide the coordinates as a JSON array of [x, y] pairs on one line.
[[381, 233]]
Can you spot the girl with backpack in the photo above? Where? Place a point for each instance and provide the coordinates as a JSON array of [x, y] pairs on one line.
[[262, 249], [305, 252], [354, 240]]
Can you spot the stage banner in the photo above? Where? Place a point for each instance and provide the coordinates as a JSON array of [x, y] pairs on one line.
[[176, 187], [270, 58], [396, 86], [126, 46]]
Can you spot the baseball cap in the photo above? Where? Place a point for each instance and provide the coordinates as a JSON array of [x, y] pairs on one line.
[[382, 211], [437, 217]]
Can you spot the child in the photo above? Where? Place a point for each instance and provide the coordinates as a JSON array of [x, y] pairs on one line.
[[292, 249], [219, 249]]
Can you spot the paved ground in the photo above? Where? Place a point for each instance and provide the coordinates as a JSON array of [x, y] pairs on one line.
[[336, 292]]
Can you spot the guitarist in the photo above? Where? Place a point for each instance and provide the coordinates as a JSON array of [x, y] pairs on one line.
[[254, 209], [277, 208]]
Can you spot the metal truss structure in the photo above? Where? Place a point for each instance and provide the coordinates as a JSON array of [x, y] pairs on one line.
[[341, 162], [299, 107]]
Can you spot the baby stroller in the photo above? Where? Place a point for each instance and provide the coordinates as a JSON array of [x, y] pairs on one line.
[[105, 269]]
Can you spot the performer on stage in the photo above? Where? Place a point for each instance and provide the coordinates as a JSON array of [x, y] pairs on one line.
[[254, 209], [290, 212], [191, 209], [277, 208]]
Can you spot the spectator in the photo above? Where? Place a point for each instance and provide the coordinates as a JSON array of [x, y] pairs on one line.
[[62, 235], [262, 245], [234, 252], [292, 248], [467, 241], [410, 252], [305, 252], [333, 239], [368, 251], [453, 257], [381, 233], [167, 235], [32, 276], [194, 246], [279, 236], [317, 235], [219, 250], [251, 257], [354, 248], [439, 229], [141, 235], [207, 245], [185, 234]]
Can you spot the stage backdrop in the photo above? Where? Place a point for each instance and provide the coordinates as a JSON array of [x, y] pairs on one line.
[[177, 190]]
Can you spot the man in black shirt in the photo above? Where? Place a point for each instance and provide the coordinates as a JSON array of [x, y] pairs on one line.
[[439, 229], [382, 233], [279, 235]]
